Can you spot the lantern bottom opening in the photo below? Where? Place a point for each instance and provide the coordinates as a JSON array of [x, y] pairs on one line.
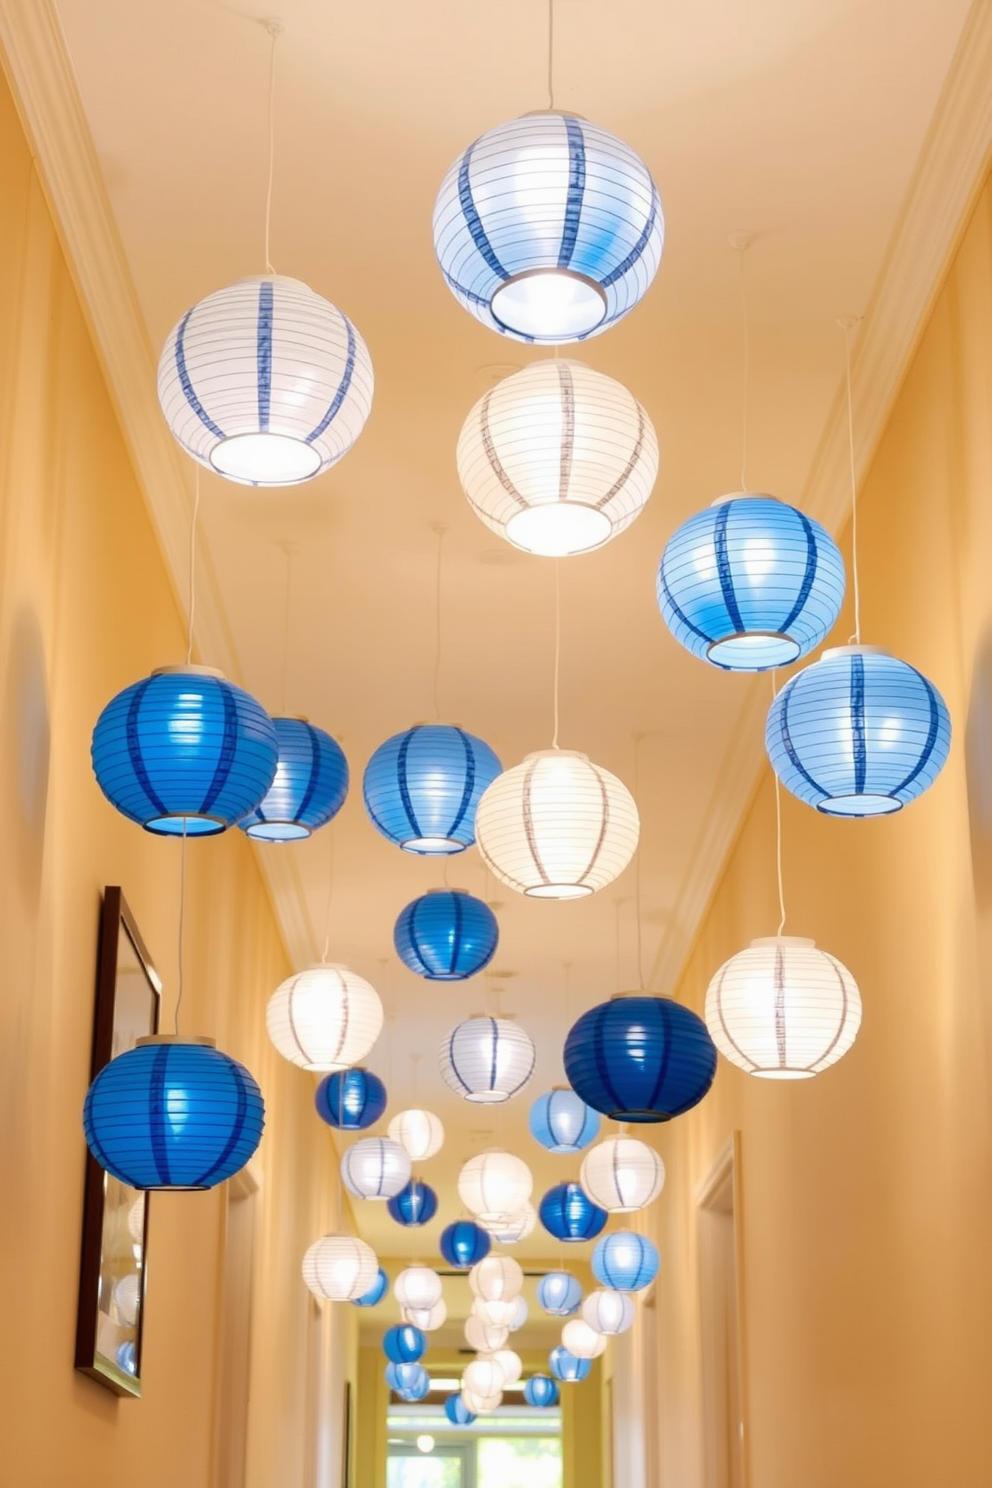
[[488, 1097], [188, 825], [433, 847], [644, 1117], [274, 831], [759, 651], [557, 529], [549, 305], [782, 1074], [859, 805], [558, 891], [264, 459]]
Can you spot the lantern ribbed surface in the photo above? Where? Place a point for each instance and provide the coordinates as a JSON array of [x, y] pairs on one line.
[[427, 1319], [484, 1337], [548, 229], [513, 1228], [184, 748], [464, 1243], [375, 1168], [404, 1344], [457, 1411], [341, 1268], [483, 1377], [557, 826], [569, 1214], [172, 1114], [498, 1278], [640, 1058], [310, 785], [582, 1340], [557, 459], [482, 1405], [625, 1261], [540, 1391], [414, 1205], [858, 733], [409, 1381], [350, 1099], [375, 1293], [420, 1132], [325, 1018], [750, 584], [562, 1122], [487, 1060], [495, 1185], [446, 935], [622, 1174], [418, 1287], [782, 1009], [566, 1367], [511, 1365], [609, 1312], [559, 1293], [422, 788], [499, 1313], [265, 382]]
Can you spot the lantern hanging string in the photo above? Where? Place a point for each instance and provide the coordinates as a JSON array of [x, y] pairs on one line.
[[551, 63], [330, 896], [440, 529], [740, 242], [191, 613], [275, 30], [290, 550], [848, 326], [637, 862], [778, 831]]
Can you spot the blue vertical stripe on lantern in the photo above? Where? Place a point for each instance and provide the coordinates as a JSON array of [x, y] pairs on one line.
[[568, 1213], [184, 748], [411, 1381], [457, 1411], [566, 1367], [562, 1122], [422, 788], [375, 1293], [414, 1205], [310, 785], [541, 1391], [640, 1058], [559, 1294], [350, 1099], [625, 1261], [463, 1244], [446, 935], [173, 1114], [404, 1344], [750, 584], [858, 733]]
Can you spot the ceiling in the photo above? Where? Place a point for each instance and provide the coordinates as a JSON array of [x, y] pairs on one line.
[[798, 122]]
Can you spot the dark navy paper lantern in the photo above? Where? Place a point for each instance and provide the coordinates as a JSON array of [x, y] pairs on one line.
[[559, 1293], [625, 1261], [569, 1214], [414, 1205], [463, 1244], [404, 1344], [309, 788], [375, 1293], [411, 1381], [350, 1099], [566, 1367], [457, 1411], [446, 936], [562, 1122], [173, 1114], [184, 748], [640, 1058], [541, 1391], [751, 583], [858, 733], [422, 788]]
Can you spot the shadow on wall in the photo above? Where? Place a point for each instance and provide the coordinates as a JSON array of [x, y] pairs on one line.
[[25, 745]]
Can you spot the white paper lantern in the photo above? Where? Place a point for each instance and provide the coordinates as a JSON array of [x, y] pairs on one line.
[[481, 1405], [514, 1227], [608, 1312], [499, 1313], [511, 1364], [483, 1377], [495, 1186], [581, 1340], [136, 1220], [339, 1268], [324, 1019], [519, 1315], [496, 1278], [783, 1009], [265, 382], [375, 1168], [487, 1060], [418, 1287], [127, 1294], [427, 1319], [557, 826], [485, 1338], [622, 1174], [420, 1132]]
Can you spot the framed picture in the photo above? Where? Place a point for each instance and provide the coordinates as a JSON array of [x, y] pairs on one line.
[[112, 1270]]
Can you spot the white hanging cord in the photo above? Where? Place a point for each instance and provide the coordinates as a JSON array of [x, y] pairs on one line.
[[554, 741], [637, 861], [440, 529], [415, 1061], [182, 917], [848, 325], [551, 62], [290, 550], [740, 242], [778, 832], [191, 613], [275, 30], [617, 906], [330, 896]]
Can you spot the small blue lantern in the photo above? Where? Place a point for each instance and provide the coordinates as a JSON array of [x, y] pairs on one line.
[[625, 1261], [541, 1391], [463, 1244], [566, 1367], [446, 936], [640, 1058], [173, 1113], [750, 584], [559, 1294], [858, 733], [414, 1205], [404, 1344], [457, 1411], [184, 750], [127, 1357], [569, 1214], [422, 788], [411, 1381], [375, 1293], [309, 788], [351, 1099], [562, 1122]]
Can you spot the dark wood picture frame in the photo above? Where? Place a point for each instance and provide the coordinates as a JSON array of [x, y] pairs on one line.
[[110, 1321]]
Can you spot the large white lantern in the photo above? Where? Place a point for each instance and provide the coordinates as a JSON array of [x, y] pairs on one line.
[[496, 1278], [324, 1019], [582, 1340], [557, 826], [622, 1174], [608, 1312], [375, 1168], [512, 1228], [340, 1268], [783, 1009], [420, 1132], [487, 1060], [427, 1319], [557, 458], [481, 1405], [499, 1313], [511, 1364], [418, 1287], [483, 1377], [484, 1337], [265, 382], [495, 1185]]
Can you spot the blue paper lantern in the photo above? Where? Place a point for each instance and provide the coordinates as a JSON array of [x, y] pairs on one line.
[[562, 1122], [411, 1381], [422, 788], [625, 1261], [559, 1294], [457, 1411], [173, 1114], [127, 1357], [404, 1344], [566, 1367], [309, 788], [463, 1244], [858, 733], [569, 1214], [184, 749], [541, 1391], [750, 584], [375, 1293], [446, 936], [351, 1099], [640, 1058], [414, 1205]]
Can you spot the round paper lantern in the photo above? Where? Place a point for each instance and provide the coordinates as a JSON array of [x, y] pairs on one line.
[[325, 1018], [482, 1405], [310, 785], [557, 826], [457, 1411], [557, 458], [483, 1377], [513, 1227], [622, 1174], [127, 1357], [487, 1060], [350, 1099], [136, 1220], [750, 584], [417, 1287], [562, 1122], [570, 1215], [565, 1366], [582, 1340], [265, 382], [494, 1185], [427, 1319], [422, 788], [640, 1058], [511, 1364], [519, 1315], [375, 1293], [404, 1344], [127, 1294], [548, 228], [559, 1293], [783, 1009], [414, 1205], [173, 1113], [446, 935], [411, 1381], [499, 1314], [498, 1278], [484, 1337], [608, 1312], [625, 1261], [464, 1243], [375, 1168], [420, 1132], [184, 751], [541, 1391], [341, 1268], [858, 733]]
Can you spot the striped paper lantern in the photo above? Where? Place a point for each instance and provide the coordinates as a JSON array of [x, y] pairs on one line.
[[350, 1099], [375, 1293], [559, 1293], [420, 1132], [582, 1340], [499, 1314], [625, 1261], [484, 1337], [414, 1205], [464, 1243], [494, 1185], [511, 1364], [487, 1060], [446, 935], [427, 1319], [569, 1214], [457, 1411], [541, 1392], [482, 1405], [513, 1228], [640, 1058], [310, 785], [375, 1168], [404, 1344], [422, 788], [326, 1018], [622, 1174], [341, 1268], [562, 1122], [498, 1278], [567, 1367], [418, 1288], [410, 1381], [609, 1312]]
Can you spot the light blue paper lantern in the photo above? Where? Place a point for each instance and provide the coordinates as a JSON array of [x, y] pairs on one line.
[[446, 935], [566, 1367], [411, 1381], [858, 733], [625, 1261], [404, 1344], [422, 788], [559, 1294], [541, 1391], [310, 785], [562, 1122], [414, 1205], [457, 1411], [375, 1293], [750, 584]]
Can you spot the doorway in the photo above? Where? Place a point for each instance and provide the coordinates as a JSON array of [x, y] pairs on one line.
[[447, 1465]]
